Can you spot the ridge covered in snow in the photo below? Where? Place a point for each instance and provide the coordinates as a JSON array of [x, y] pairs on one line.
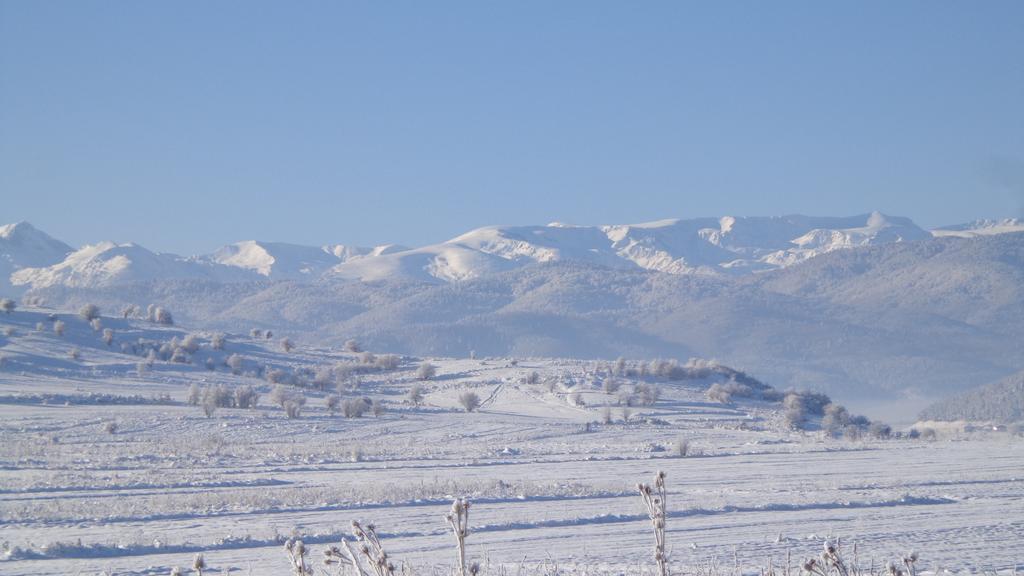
[[707, 246]]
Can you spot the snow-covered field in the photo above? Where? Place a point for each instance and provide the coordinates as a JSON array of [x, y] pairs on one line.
[[106, 468]]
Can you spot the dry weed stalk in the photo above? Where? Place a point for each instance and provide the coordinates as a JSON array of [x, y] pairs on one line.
[[372, 550], [297, 552], [334, 555], [655, 501], [458, 519]]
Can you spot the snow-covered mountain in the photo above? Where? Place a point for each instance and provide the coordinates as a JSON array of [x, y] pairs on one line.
[[23, 246], [727, 246], [702, 245], [109, 264], [982, 228]]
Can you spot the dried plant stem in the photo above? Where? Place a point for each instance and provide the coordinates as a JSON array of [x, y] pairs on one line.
[[655, 501], [458, 519]]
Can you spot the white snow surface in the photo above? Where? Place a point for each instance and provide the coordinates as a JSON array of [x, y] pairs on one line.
[[550, 480], [981, 228], [701, 245]]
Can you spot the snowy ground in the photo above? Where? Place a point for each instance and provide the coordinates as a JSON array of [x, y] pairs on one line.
[[551, 482]]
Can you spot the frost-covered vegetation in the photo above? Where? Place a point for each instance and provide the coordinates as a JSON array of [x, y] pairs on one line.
[[226, 445]]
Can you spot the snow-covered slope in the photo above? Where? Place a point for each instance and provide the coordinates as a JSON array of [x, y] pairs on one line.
[[108, 264], [982, 228], [23, 246], [276, 260], [702, 245]]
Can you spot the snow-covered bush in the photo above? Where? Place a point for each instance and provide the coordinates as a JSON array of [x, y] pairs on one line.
[[647, 394], [426, 371], [879, 430], [351, 345], [387, 362], [293, 407], [415, 394], [279, 395], [108, 336], [469, 400], [377, 408], [89, 312], [163, 316], [58, 327], [246, 397], [353, 407], [234, 362], [7, 305], [96, 324], [332, 402], [217, 341], [287, 345], [190, 343], [195, 395]]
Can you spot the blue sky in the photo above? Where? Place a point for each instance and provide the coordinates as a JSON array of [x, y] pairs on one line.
[[187, 125]]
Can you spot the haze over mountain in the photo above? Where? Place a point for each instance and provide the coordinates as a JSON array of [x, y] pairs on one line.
[[869, 306]]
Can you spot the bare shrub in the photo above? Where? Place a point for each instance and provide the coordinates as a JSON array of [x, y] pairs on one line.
[[879, 430], [619, 368], [276, 376], [234, 362], [576, 399], [190, 343], [246, 397], [469, 400], [648, 394], [353, 408], [89, 312], [163, 316], [279, 395], [332, 403], [387, 362], [426, 371], [681, 448], [415, 394], [195, 395], [293, 407]]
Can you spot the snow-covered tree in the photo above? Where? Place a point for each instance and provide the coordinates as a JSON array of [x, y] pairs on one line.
[[7, 305], [89, 312], [426, 371], [469, 400]]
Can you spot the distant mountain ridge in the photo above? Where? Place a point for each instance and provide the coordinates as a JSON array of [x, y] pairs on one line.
[[863, 312], [727, 245]]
